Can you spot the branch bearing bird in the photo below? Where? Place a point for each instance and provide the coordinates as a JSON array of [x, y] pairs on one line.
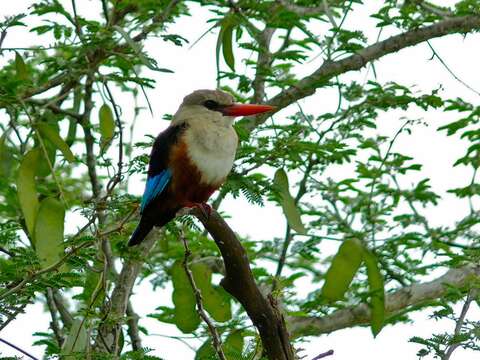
[[191, 158]]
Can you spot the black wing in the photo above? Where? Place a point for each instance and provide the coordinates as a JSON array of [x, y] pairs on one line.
[[159, 174]]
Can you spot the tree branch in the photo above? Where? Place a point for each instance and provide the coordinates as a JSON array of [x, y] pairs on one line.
[[264, 61], [132, 330], [240, 283], [110, 328], [394, 302], [307, 86], [54, 324]]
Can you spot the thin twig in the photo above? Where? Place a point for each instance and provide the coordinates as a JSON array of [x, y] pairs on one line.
[[459, 323], [435, 54], [374, 180], [13, 316], [5, 251], [78, 28], [3, 34], [323, 355], [105, 10], [217, 342], [118, 176], [18, 349]]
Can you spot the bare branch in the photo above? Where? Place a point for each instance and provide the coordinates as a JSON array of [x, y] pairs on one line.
[[395, 302]]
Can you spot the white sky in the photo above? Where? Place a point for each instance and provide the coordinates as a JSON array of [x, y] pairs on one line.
[[195, 68]]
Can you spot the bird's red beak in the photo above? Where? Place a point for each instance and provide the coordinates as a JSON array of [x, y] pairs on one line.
[[245, 109]]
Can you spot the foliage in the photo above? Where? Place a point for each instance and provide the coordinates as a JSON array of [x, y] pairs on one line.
[[342, 184]]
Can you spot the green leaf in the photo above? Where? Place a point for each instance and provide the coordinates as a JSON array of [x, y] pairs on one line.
[[232, 348], [107, 126], [53, 136], [20, 67], [233, 345], [377, 291], [224, 41], [6, 157], [227, 45], [289, 207], [206, 351], [342, 270], [215, 300], [49, 231], [77, 338], [72, 127], [45, 160], [26, 189], [186, 316]]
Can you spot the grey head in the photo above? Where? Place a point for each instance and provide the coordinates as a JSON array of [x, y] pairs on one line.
[[214, 100]]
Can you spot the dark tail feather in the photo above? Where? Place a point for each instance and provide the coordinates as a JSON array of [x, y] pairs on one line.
[[140, 233]]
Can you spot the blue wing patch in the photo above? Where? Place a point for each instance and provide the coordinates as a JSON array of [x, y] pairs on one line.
[[154, 187]]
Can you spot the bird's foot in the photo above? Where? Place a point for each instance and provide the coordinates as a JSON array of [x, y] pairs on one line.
[[204, 208]]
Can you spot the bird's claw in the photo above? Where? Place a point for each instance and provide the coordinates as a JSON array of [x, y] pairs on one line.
[[204, 208]]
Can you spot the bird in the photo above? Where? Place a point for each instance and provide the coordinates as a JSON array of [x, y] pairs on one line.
[[191, 158]]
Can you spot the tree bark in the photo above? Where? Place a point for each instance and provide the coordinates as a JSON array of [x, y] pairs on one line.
[[395, 302], [240, 283]]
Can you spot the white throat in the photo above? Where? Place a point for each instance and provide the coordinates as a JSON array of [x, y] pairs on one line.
[[211, 142]]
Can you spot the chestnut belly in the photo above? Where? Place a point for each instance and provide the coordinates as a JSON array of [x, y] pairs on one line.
[[186, 184]]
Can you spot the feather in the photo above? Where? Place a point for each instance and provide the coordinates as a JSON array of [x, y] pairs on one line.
[[154, 187]]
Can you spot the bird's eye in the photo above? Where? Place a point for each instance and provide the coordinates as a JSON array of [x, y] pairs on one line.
[[210, 104]]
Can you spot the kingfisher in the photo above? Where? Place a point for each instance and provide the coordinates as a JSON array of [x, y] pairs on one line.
[[191, 158]]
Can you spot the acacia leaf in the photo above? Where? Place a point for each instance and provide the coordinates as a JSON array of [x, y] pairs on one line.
[[227, 45], [287, 202], [377, 292], [27, 191], [215, 300], [233, 345], [206, 351], [224, 41], [49, 231], [20, 67], [107, 126], [77, 338], [53, 136], [343, 268], [185, 313], [6, 157]]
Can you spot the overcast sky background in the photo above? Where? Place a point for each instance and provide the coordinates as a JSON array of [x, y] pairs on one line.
[[195, 68]]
